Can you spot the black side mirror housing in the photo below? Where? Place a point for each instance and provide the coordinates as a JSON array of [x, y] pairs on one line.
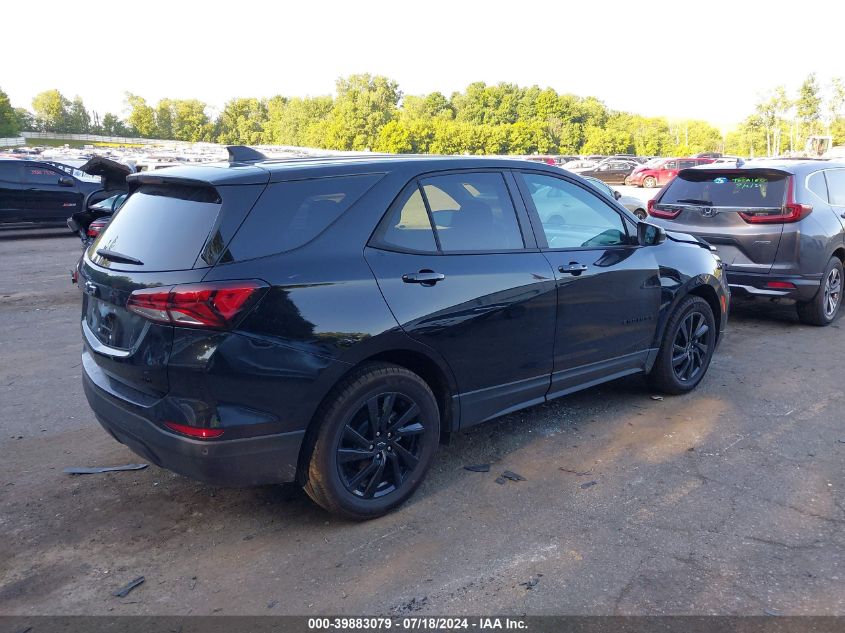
[[617, 194], [66, 181], [650, 234]]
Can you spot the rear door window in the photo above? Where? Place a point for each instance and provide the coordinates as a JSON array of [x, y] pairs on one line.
[[164, 226], [472, 212], [291, 214], [686, 164], [836, 186], [714, 189], [407, 226]]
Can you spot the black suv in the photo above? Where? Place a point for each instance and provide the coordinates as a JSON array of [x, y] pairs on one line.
[[46, 193], [329, 320]]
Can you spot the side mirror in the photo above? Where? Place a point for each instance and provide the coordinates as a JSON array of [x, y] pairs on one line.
[[617, 194], [66, 181], [650, 234]]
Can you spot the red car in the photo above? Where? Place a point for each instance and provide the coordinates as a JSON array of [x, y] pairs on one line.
[[656, 175]]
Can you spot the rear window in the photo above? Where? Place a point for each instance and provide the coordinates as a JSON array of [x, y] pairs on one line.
[[164, 226], [726, 189], [291, 214]]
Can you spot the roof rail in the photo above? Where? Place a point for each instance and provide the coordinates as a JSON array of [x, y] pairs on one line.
[[243, 154]]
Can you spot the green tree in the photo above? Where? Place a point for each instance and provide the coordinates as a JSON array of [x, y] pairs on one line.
[[364, 105], [835, 102], [395, 138], [748, 139], [26, 120], [190, 121], [242, 121], [434, 105], [51, 111], [141, 116], [78, 119], [111, 125], [9, 123], [297, 121], [808, 107], [164, 113]]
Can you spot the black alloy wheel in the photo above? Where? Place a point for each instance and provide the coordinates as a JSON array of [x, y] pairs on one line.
[[380, 445], [377, 434], [690, 347], [687, 347]]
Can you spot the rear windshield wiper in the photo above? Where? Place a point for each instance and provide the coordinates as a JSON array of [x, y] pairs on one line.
[[114, 256], [695, 201]]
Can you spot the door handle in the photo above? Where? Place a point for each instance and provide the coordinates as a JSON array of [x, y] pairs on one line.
[[572, 268], [423, 277]]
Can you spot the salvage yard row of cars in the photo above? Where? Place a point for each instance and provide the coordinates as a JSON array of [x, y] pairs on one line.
[[330, 320]]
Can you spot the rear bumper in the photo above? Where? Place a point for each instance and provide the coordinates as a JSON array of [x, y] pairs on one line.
[[252, 461], [756, 285]]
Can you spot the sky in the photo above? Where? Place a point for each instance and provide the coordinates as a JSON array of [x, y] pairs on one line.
[[704, 59]]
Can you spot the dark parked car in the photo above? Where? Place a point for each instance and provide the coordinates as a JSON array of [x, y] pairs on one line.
[[777, 225], [40, 193], [328, 321], [612, 171]]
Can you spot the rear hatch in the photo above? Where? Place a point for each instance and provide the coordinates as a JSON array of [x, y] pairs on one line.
[[168, 232], [741, 212]]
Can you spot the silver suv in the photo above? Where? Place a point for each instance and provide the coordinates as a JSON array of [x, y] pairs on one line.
[[777, 225]]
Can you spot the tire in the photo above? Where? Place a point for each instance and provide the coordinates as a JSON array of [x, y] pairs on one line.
[[649, 182], [682, 362], [824, 307], [364, 463]]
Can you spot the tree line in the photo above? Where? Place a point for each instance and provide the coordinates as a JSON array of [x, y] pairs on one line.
[[371, 113], [782, 123]]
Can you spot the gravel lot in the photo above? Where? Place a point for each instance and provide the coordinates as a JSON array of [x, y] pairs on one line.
[[729, 500]]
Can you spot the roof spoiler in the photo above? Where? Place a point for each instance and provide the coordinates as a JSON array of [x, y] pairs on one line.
[[244, 154]]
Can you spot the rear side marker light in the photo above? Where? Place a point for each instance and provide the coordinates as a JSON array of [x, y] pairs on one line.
[[194, 431], [780, 285], [207, 305]]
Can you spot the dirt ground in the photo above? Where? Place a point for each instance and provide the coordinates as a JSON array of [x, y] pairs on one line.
[[726, 501]]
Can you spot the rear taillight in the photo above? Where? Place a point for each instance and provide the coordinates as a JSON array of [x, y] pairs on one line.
[[661, 213], [194, 431], [790, 212], [213, 305], [96, 227]]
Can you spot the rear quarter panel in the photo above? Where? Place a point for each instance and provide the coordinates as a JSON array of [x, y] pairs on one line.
[[806, 246]]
